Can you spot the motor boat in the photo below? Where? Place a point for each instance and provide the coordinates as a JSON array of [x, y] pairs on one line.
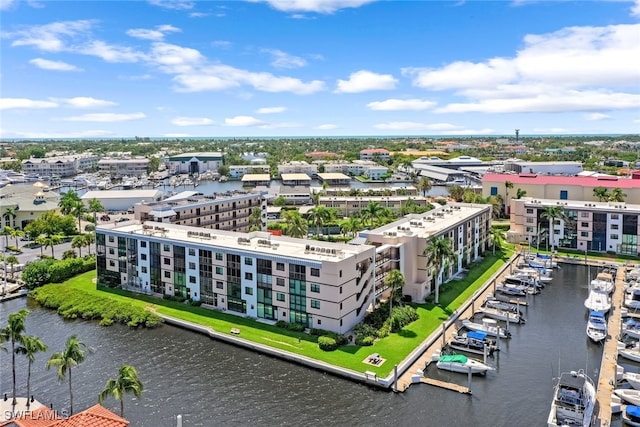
[[492, 301], [488, 326], [632, 298], [628, 395], [629, 351], [473, 342], [633, 379], [463, 364], [574, 401], [523, 279], [512, 290], [631, 415], [597, 326], [603, 283], [501, 314], [598, 301], [542, 275], [631, 328]]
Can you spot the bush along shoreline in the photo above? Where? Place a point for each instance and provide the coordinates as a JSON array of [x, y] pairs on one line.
[[73, 303]]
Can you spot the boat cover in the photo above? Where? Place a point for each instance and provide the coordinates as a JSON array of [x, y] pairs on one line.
[[633, 411], [477, 335], [543, 256], [596, 314], [454, 358]]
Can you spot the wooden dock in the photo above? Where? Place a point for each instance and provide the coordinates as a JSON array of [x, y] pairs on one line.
[[607, 378], [445, 385]]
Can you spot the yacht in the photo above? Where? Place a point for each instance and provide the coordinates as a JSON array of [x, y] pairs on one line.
[[597, 326], [574, 401], [598, 301]]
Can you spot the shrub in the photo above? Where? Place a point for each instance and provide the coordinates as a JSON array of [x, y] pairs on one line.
[[365, 341], [70, 253], [36, 273], [327, 343], [90, 227], [296, 327]]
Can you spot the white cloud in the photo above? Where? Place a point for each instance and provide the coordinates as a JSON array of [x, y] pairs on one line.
[[635, 9], [597, 116], [284, 60], [271, 110], [6, 4], [416, 126], [156, 35], [222, 44], [573, 69], [50, 37], [25, 103], [85, 102], [243, 121], [198, 14], [553, 130], [401, 105], [318, 6], [363, 80], [326, 126], [46, 64], [111, 53], [173, 4], [175, 59], [105, 117], [192, 121]]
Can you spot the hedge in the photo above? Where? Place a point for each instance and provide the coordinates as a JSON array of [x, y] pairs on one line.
[[327, 343]]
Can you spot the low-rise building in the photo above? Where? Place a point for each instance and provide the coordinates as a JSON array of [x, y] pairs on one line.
[[543, 168], [295, 166], [375, 154], [117, 201], [225, 211], [256, 179], [195, 163], [295, 179], [60, 166], [354, 168], [118, 168], [316, 284], [352, 205], [22, 203], [334, 178], [238, 171], [376, 172]]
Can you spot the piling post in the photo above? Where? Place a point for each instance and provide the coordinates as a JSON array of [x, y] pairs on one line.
[[395, 377], [484, 352], [469, 379], [444, 334], [179, 421], [507, 321]]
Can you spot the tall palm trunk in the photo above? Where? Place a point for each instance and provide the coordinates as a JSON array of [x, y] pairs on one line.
[[122, 407], [70, 395], [14, 401], [437, 300], [29, 383]]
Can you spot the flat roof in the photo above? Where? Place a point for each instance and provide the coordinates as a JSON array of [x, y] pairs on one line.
[[584, 181], [256, 177], [120, 194], [333, 175], [295, 177], [257, 242], [581, 204]]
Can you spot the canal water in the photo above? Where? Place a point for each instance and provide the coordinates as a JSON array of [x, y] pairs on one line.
[[212, 383]]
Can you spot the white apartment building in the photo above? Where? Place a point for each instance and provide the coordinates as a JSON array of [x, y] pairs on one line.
[[317, 284], [118, 168], [310, 169], [195, 163], [61, 166], [374, 154], [354, 168], [238, 171]]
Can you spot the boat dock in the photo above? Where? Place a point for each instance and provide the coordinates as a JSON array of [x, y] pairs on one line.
[[607, 378], [445, 385]]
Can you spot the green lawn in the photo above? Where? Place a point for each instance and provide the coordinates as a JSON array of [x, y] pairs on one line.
[[393, 348]]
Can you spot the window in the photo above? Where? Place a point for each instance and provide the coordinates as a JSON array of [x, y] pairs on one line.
[[248, 261], [143, 244], [530, 230], [143, 257], [165, 247], [564, 195], [192, 252], [192, 266], [219, 270], [248, 276], [584, 224], [319, 322], [192, 279], [279, 281], [340, 273], [494, 191], [584, 214], [112, 263], [218, 256], [614, 237], [530, 220], [280, 266], [248, 290], [219, 285], [111, 239], [315, 303], [529, 211], [584, 234], [111, 251], [167, 274], [615, 216], [144, 269], [315, 287], [315, 272], [167, 261], [614, 226], [280, 296]]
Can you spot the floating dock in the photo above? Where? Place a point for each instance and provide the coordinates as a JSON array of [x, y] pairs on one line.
[[445, 385]]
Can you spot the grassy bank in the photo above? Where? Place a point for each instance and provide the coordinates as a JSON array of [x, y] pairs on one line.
[[393, 348]]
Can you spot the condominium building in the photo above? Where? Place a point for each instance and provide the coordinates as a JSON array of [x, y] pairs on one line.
[[222, 211], [317, 284], [61, 166], [310, 169], [118, 168], [193, 163], [354, 168], [581, 225], [375, 154], [352, 205], [401, 245], [238, 171]]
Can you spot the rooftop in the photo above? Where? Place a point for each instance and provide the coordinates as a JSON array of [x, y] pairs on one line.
[[333, 175], [584, 181], [256, 177], [374, 151], [581, 204], [295, 177]]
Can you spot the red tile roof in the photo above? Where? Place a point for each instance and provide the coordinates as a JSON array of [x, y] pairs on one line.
[[374, 150], [96, 416], [41, 417], [585, 181]]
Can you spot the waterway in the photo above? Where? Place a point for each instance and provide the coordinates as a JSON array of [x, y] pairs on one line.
[[211, 383]]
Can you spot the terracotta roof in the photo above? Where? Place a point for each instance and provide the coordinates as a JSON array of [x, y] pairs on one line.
[[96, 416], [585, 181], [41, 417]]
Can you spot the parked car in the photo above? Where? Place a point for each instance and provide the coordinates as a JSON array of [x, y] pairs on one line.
[[105, 218]]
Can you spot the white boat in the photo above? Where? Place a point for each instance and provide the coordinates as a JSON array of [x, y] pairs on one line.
[[632, 298], [629, 395], [631, 328], [488, 326], [597, 326], [501, 314], [633, 379], [598, 301], [631, 415], [574, 401], [630, 352], [512, 290], [603, 283], [473, 342], [463, 364], [540, 274], [523, 279]]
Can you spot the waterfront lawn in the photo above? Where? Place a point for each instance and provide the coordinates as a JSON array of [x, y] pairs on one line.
[[394, 348]]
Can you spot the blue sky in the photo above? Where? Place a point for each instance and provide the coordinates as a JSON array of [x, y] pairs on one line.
[[318, 67]]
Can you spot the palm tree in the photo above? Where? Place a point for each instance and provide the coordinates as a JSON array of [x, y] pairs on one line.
[[438, 252], [78, 242], [68, 202], [296, 225], [17, 234], [617, 195], [78, 210], [395, 282], [496, 238], [90, 239], [74, 353], [496, 205], [12, 260], [601, 194], [424, 185], [52, 241], [127, 382], [315, 198], [520, 193], [30, 346], [456, 192], [6, 232], [13, 333], [11, 212], [370, 212], [352, 226], [507, 186], [319, 216], [95, 207], [255, 219], [41, 240], [552, 213]]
